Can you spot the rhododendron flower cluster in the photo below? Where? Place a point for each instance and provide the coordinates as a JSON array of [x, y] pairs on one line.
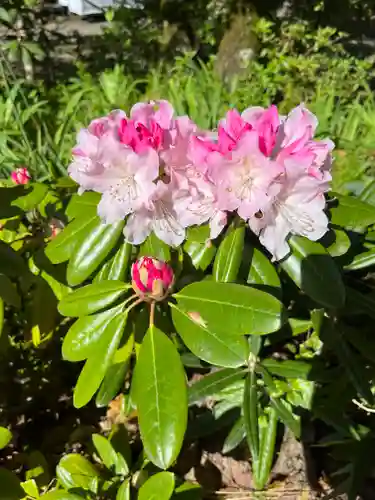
[[163, 174]]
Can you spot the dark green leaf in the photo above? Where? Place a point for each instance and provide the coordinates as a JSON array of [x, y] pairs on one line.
[[161, 398], [92, 250], [158, 487], [250, 415], [211, 384], [36, 194], [229, 255], [10, 486], [8, 292], [228, 307], [99, 361], [267, 450], [359, 303], [109, 456], [75, 471], [288, 368], [91, 298], [362, 261], [11, 263], [60, 495], [315, 272], [235, 437], [227, 350]]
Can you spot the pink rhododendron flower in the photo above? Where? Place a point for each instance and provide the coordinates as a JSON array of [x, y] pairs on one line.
[[21, 176], [152, 279]]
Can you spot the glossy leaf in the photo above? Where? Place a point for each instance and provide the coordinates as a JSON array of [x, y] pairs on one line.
[[158, 487], [83, 204], [262, 271], [199, 248], [83, 335], [229, 255], [109, 456], [120, 263], [213, 383], [92, 250], [5, 437], [341, 244], [91, 298], [250, 415], [123, 493], [226, 350], [75, 471], [35, 195], [315, 272], [153, 247], [161, 398], [287, 368], [235, 437], [60, 495], [10, 486], [267, 449], [99, 361], [64, 244], [352, 213], [228, 307], [362, 261]]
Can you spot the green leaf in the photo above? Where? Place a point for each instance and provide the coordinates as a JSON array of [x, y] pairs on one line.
[[86, 203], [158, 487], [213, 383], [229, 255], [61, 248], [188, 491], [11, 263], [37, 469], [5, 437], [36, 193], [153, 247], [250, 415], [261, 271], [267, 450], [120, 264], [362, 261], [1, 316], [123, 493], [60, 495], [84, 334], [315, 272], [99, 361], [161, 398], [199, 248], [341, 244], [31, 488], [91, 298], [235, 437], [75, 471], [228, 307], [92, 250], [352, 213], [226, 350], [288, 368], [359, 303], [10, 486], [109, 456]]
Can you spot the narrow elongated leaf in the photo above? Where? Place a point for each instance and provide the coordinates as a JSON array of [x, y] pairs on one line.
[[161, 398], [120, 263], [235, 437], [153, 247], [359, 303], [261, 271], [109, 456], [5, 437], [158, 487], [250, 415], [63, 245], [288, 368], [75, 471], [226, 350], [83, 335], [228, 307], [315, 272], [362, 261], [213, 383], [92, 250], [229, 255], [91, 298], [99, 361], [352, 213], [123, 493], [8, 292], [267, 449]]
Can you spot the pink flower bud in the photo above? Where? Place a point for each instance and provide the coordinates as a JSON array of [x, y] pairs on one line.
[[21, 176], [152, 279]]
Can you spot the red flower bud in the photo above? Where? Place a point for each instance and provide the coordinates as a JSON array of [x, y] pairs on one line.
[[152, 279], [20, 176]]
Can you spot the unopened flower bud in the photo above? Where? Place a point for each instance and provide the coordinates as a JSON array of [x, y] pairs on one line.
[[152, 279], [20, 176]]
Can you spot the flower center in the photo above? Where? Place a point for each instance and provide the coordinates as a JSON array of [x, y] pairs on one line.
[[124, 190]]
